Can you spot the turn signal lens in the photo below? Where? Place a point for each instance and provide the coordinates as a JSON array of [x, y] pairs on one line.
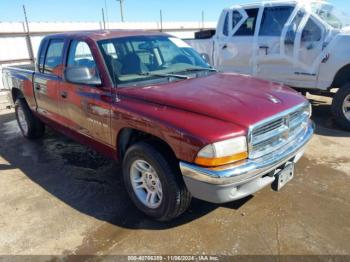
[[212, 162], [224, 152]]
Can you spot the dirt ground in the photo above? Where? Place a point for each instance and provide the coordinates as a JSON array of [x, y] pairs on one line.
[[58, 197]]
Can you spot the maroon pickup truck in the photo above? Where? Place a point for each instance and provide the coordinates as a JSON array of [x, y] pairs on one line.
[[179, 127]]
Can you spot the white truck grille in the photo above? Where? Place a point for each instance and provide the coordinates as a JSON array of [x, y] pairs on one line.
[[278, 131]]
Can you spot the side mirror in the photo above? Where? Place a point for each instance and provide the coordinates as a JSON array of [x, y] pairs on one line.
[[206, 58], [81, 75]]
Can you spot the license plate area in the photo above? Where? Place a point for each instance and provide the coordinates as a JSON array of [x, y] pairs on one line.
[[283, 177]]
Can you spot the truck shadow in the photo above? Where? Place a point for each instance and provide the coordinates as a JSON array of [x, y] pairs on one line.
[[83, 179], [323, 118]]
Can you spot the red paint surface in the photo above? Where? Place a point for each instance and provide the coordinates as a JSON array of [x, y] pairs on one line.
[[187, 114]]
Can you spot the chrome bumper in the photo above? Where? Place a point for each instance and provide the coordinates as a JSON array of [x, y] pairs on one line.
[[236, 181]]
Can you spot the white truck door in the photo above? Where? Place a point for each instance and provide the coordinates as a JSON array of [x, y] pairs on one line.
[[308, 52], [235, 45], [271, 64], [303, 43], [290, 46]]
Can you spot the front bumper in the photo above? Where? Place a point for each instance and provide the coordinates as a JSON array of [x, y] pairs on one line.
[[236, 181]]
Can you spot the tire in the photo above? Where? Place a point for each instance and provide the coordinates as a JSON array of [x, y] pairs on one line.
[[341, 111], [173, 198], [30, 126]]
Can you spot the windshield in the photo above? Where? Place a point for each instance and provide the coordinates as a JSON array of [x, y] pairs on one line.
[[141, 58], [331, 15]]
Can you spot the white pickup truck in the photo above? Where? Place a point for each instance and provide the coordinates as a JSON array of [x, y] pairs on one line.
[[304, 44]]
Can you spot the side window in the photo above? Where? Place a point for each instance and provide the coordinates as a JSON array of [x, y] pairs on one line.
[[293, 28], [312, 32], [225, 29], [82, 64], [274, 19], [80, 55], [236, 18], [248, 27], [53, 56]]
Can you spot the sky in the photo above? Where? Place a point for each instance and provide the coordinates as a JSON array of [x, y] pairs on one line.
[[135, 10]]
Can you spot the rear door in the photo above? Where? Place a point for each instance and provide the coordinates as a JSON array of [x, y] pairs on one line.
[[235, 45], [85, 106], [48, 76]]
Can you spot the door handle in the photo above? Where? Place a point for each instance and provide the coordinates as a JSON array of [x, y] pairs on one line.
[[224, 47], [265, 47], [37, 87], [64, 94]]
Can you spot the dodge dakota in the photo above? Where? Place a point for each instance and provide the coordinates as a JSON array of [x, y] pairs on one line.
[[303, 44], [180, 128]]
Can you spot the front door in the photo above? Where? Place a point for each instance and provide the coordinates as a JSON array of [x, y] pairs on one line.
[[290, 46], [235, 43], [271, 63], [85, 105]]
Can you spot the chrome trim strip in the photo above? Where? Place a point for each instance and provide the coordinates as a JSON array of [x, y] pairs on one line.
[[241, 173], [280, 115]]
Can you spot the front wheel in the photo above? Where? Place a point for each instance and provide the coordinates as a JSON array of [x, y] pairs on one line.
[[154, 183], [341, 106]]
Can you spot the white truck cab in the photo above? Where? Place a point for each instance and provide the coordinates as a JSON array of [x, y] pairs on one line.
[[304, 44]]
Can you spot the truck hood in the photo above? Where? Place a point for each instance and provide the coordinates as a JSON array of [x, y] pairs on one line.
[[238, 99]]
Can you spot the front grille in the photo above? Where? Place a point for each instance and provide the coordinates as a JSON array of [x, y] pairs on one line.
[[278, 131]]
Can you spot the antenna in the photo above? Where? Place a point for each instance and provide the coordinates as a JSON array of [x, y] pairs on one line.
[[103, 19], [161, 20]]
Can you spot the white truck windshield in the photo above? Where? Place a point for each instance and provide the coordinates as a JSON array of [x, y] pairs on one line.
[[331, 15]]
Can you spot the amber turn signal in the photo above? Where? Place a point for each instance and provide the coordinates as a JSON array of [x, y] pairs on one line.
[[213, 162]]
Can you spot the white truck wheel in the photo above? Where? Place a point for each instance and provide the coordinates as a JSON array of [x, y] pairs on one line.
[[341, 106]]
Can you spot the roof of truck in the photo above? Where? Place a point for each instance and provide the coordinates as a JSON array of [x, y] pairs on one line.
[[278, 2], [97, 35]]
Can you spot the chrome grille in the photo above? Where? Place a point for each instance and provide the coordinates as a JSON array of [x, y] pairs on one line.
[[274, 133]]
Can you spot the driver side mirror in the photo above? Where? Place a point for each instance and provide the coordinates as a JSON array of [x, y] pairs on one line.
[[82, 75], [206, 58]]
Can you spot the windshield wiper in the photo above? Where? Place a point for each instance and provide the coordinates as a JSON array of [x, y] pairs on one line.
[[164, 75], [194, 69]]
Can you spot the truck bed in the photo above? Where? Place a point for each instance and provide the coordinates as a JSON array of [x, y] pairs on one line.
[[27, 67], [21, 78], [204, 47]]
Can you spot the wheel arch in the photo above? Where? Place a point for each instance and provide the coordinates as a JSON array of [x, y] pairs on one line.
[[16, 93], [341, 77], [129, 136]]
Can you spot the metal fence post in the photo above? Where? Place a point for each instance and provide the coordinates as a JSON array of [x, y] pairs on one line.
[[28, 39]]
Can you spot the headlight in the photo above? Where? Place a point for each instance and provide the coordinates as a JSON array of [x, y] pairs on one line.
[[224, 152]]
